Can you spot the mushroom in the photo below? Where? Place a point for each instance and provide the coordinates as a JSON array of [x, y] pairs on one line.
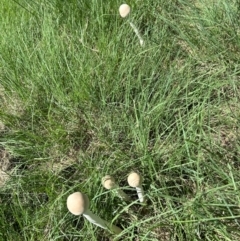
[[109, 183], [124, 11], [135, 180], [78, 203]]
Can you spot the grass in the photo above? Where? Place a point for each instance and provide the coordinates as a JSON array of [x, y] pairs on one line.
[[80, 98]]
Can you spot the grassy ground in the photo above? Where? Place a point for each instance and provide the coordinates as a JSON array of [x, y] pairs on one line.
[[80, 98]]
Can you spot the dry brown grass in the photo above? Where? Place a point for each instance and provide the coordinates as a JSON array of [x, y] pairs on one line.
[[4, 166], [12, 105], [4, 154]]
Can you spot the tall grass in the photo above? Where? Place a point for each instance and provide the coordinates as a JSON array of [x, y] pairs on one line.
[[80, 98]]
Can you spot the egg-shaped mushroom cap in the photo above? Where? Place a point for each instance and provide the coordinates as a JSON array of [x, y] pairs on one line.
[[134, 179], [77, 203], [124, 10], [108, 182]]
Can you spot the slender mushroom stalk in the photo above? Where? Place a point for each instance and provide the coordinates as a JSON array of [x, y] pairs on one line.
[[124, 11], [109, 183], [78, 203], [135, 180]]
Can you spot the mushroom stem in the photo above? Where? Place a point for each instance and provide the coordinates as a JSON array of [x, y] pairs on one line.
[[137, 33], [135, 180], [109, 183], [78, 203], [93, 218], [140, 193], [122, 194]]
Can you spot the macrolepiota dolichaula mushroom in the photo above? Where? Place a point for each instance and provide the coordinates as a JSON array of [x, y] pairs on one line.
[[135, 180], [124, 11], [78, 203], [109, 183]]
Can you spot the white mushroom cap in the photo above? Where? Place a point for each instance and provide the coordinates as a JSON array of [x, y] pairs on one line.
[[77, 203], [124, 10], [108, 182], [134, 179]]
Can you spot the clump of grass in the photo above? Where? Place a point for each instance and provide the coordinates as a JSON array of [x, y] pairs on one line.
[[78, 96]]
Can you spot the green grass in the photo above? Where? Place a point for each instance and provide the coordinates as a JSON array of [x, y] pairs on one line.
[[80, 98]]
